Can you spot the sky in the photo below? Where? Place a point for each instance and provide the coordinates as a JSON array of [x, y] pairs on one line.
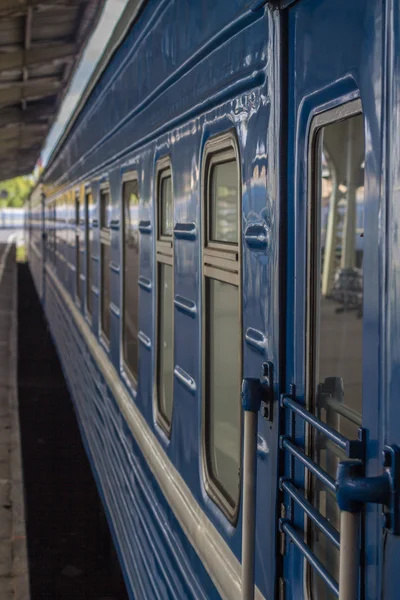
[[93, 51]]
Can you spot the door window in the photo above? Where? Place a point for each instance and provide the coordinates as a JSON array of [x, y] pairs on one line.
[[335, 313]]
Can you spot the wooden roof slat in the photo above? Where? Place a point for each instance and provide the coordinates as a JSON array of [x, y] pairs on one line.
[[41, 42]]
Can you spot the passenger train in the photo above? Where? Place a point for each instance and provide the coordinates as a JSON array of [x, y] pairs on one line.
[[215, 241]]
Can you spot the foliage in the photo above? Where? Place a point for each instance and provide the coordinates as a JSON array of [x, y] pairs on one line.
[[14, 192], [21, 254]]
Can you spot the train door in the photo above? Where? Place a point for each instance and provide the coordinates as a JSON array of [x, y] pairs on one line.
[[334, 272]]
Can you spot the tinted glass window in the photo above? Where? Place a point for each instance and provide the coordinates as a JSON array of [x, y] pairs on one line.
[[223, 385], [166, 208], [105, 290], [130, 194], [224, 202], [336, 308], [165, 341], [77, 249], [105, 208], [89, 249]]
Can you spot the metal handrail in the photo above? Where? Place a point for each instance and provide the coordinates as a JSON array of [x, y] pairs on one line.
[[308, 463], [291, 532], [341, 409], [353, 448], [322, 523]]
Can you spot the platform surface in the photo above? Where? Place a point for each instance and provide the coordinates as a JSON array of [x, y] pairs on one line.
[[14, 576]]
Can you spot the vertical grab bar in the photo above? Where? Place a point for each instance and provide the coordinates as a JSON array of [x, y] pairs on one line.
[[249, 502], [349, 555], [253, 393], [353, 491], [349, 473]]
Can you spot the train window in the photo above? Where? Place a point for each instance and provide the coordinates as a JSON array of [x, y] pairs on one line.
[[105, 244], [165, 297], [105, 207], [223, 191], [89, 208], [130, 199], [335, 313], [77, 246], [166, 208], [222, 328], [54, 225], [165, 371]]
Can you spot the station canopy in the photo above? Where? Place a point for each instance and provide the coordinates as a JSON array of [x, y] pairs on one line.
[[41, 42]]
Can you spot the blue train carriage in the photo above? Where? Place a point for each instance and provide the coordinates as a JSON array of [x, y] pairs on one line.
[[215, 242]]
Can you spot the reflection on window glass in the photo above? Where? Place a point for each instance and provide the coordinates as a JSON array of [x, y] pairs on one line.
[[166, 216], [105, 208], [89, 250], [105, 290], [224, 202], [222, 387], [130, 195], [77, 249], [337, 311], [165, 342]]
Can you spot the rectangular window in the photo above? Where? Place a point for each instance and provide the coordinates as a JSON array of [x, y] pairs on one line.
[[89, 210], [53, 233], [166, 208], [130, 199], [165, 374], [222, 328], [335, 309], [105, 243], [165, 296], [77, 247], [105, 208], [223, 225]]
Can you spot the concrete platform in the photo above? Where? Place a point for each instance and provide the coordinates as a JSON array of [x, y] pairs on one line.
[[14, 576]]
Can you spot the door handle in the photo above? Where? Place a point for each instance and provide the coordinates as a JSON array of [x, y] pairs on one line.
[[353, 491]]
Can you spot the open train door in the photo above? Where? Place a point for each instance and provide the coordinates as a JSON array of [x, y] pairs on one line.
[[335, 280]]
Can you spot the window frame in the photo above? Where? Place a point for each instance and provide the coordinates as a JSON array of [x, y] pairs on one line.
[[127, 177], [77, 235], [88, 266], [164, 255], [329, 117], [105, 240], [323, 119], [222, 156], [221, 261], [163, 171]]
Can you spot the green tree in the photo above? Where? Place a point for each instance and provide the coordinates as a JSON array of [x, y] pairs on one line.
[[14, 192]]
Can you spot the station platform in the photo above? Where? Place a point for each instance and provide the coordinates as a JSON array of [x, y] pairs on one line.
[[14, 576]]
